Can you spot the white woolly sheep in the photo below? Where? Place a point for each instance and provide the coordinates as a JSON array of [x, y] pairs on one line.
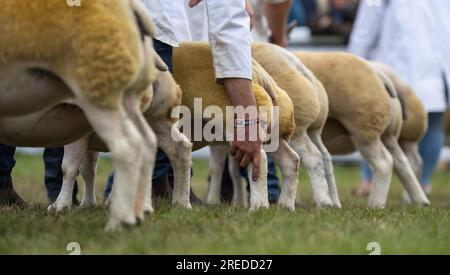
[[362, 109], [97, 50]]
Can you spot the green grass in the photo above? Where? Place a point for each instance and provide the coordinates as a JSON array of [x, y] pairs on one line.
[[224, 230]]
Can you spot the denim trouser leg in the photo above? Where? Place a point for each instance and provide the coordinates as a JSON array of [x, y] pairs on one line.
[[53, 158], [431, 146], [366, 172], [7, 163]]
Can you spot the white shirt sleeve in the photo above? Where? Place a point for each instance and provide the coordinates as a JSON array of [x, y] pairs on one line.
[[367, 27], [230, 38]]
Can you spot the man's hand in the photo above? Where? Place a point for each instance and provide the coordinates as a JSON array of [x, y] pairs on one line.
[[241, 94], [251, 13], [193, 3], [248, 151], [248, 8]]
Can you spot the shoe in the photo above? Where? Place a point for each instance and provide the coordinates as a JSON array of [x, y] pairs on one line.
[[9, 197], [363, 190]]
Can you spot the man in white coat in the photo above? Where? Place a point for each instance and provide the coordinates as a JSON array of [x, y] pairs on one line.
[[413, 38]]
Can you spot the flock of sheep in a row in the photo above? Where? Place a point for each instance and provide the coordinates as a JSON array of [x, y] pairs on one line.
[[92, 80]]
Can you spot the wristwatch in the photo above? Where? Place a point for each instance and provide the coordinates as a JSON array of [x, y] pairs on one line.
[[240, 123]]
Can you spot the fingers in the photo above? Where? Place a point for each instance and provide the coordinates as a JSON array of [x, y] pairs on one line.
[[239, 156], [256, 167], [193, 3], [245, 161], [251, 13], [233, 150]]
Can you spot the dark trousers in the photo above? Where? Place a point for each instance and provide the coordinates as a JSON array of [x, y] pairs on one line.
[[53, 158]]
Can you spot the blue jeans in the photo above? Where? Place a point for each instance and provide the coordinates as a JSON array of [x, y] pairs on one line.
[[163, 168], [53, 158], [430, 149], [298, 13]]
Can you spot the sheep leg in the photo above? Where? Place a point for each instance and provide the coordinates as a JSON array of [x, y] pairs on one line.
[[405, 172], [178, 149], [259, 197], [313, 161], [217, 164], [73, 157], [411, 150], [328, 164], [87, 171], [288, 161], [125, 143], [381, 163], [143, 200], [240, 197]]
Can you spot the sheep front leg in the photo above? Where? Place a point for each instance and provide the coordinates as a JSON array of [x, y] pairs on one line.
[[381, 163], [73, 157], [313, 161], [405, 172], [288, 161], [178, 149], [219, 155], [87, 171]]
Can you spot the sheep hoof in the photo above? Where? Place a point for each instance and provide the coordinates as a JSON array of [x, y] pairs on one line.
[[59, 207], [116, 225], [286, 204], [259, 205], [88, 205], [148, 209], [182, 204]]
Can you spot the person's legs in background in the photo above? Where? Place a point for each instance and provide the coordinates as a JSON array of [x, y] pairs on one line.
[[297, 13], [8, 195], [431, 147], [277, 12], [53, 158], [365, 185]]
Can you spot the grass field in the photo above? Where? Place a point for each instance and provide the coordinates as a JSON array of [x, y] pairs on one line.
[[223, 230]]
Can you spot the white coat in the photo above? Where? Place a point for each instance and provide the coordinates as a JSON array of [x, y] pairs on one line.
[[413, 38], [228, 32]]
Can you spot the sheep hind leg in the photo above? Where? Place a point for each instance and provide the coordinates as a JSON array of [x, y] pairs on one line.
[[125, 143], [143, 201], [178, 149], [381, 163], [87, 171], [258, 189], [411, 150], [405, 172], [217, 165], [73, 157], [329, 170], [311, 157], [288, 161], [240, 195]]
